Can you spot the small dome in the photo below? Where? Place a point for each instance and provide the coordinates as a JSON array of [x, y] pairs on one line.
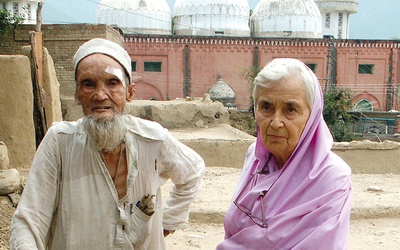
[[211, 17], [286, 18], [136, 16], [222, 92]]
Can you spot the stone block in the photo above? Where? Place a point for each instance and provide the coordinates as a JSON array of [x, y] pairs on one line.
[[16, 105], [4, 160], [9, 181]]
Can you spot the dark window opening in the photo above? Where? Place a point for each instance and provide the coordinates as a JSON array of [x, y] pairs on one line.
[[16, 9], [152, 66], [312, 66], [133, 65], [327, 20], [365, 69]]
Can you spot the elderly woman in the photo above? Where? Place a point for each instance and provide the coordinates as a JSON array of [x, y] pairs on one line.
[[294, 192]]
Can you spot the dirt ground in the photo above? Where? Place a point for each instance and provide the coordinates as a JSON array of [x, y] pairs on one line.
[[374, 225], [371, 234]]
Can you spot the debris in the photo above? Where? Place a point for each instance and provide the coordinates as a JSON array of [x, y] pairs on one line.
[[375, 189], [15, 197]]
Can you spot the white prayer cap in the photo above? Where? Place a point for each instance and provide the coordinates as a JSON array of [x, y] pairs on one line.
[[106, 47]]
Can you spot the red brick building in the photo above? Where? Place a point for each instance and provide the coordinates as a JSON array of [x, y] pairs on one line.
[[175, 67]]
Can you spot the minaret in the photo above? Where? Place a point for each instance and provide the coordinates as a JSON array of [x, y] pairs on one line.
[[22, 8], [336, 16]]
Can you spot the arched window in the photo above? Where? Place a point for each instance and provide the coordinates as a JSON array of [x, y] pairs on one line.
[[364, 105]]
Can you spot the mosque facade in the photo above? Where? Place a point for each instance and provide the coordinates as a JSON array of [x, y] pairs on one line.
[[222, 37], [189, 66]]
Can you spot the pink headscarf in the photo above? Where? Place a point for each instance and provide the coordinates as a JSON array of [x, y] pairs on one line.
[[309, 203]]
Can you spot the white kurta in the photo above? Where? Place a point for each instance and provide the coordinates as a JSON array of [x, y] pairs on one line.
[[70, 201]]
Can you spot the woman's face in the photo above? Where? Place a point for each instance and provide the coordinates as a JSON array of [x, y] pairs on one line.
[[282, 113]]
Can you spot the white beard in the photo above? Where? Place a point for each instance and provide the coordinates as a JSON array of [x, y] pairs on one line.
[[106, 134]]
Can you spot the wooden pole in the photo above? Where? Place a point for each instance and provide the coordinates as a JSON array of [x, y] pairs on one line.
[[39, 17], [41, 98]]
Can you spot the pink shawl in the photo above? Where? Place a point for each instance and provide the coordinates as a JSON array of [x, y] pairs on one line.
[[309, 203]]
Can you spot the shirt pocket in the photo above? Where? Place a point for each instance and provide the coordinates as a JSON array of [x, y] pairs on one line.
[[140, 226]]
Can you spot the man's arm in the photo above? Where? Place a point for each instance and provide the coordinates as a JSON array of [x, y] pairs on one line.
[[185, 168], [31, 221]]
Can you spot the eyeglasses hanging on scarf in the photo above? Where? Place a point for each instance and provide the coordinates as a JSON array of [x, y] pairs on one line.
[[261, 195]]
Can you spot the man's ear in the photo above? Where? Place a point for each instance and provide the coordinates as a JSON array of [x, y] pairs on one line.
[[131, 92], [77, 97]]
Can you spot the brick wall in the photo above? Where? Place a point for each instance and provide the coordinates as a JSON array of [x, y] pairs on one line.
[[230, 56], [61, 41]]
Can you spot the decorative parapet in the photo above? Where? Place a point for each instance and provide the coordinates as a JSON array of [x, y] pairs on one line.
[[367, 44], [227, 41], [339, 43]]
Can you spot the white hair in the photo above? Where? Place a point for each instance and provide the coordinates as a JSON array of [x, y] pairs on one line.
[[281, 69], [106, 134]]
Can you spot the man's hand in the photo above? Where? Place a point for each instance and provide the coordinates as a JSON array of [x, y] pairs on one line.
[[168, 232], [146, 204]]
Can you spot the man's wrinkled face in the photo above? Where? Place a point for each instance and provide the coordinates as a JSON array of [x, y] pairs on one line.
[[282, 112], [101, 92]]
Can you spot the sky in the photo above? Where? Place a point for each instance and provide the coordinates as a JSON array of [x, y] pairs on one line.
[[376, 19]]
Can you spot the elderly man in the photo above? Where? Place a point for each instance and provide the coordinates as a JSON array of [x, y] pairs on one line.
[[95, 183]]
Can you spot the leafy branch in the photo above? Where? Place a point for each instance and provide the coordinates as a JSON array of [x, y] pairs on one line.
[[8, 22], [336, 104]]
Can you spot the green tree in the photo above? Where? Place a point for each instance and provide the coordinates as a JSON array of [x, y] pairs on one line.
[[336, 104], [245, 120], [249, 74], [8, 22]]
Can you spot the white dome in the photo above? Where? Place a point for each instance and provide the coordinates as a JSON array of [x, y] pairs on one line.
[[286, 18], [136, 16], [211, 17]]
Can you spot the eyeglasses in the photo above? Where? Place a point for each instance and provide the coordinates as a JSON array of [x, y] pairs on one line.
[[260, 222]]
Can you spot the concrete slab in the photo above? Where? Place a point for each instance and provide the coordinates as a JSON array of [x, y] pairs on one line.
[[225, 146], [221, 132], [220, 145]]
